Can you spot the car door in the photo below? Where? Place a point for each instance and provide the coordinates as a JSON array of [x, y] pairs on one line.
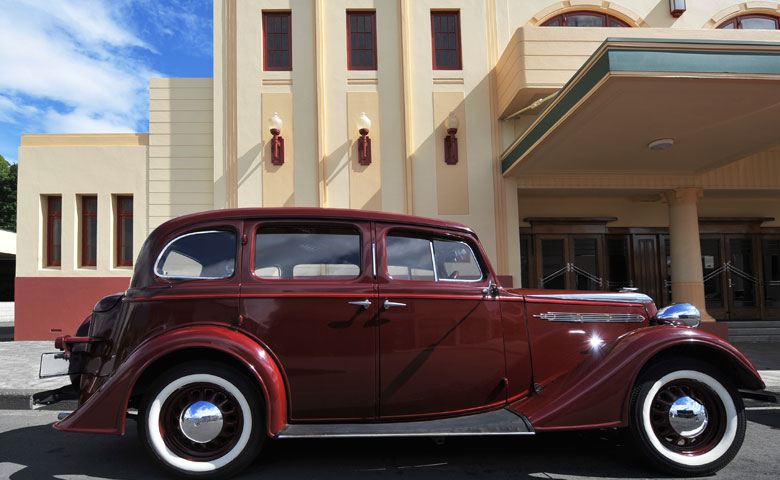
[[308, 294], [441, 349]]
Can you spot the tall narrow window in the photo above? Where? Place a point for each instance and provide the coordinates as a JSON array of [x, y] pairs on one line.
[[277, 41], [361, 40], [89, 231], [54, 231], [445, 30], [124, 231]]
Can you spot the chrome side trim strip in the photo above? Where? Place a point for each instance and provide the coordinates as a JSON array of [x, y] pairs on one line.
[[591, 317], [595, 297]]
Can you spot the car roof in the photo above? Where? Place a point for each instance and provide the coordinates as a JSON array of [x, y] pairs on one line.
[[310, 213]]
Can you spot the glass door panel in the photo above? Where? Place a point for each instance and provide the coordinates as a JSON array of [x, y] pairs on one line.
[[585, 264], [771, 261], [742, 280], [618, 263], [712, 267], [554, 265]]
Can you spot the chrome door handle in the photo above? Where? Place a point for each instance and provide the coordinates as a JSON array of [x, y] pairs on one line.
[[363, 303], [389, 304]]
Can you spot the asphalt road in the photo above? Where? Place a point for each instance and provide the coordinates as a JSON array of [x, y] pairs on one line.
[[31, 449]]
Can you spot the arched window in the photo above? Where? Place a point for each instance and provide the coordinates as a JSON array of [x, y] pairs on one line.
[[752, 22], [584, 18]]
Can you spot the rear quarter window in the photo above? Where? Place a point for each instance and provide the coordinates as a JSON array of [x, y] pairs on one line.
[[199, 255]]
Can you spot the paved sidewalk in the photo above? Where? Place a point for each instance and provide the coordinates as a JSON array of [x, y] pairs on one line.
[[19, 364], [20, 361]]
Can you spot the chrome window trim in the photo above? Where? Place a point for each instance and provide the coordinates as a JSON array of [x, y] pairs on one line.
[[373, 258], [473, 255], [433, 262], [175, 277], [575, 317], [595, 297]]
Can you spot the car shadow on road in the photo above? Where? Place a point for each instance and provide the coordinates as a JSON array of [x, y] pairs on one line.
[[768, 417], [41, 453]]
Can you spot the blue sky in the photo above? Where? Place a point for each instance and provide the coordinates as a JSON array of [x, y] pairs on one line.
[[83, 66]]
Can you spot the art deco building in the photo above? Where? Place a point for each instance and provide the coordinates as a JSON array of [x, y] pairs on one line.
[[591, 144]]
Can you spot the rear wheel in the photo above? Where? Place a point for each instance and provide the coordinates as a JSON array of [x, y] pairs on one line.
[[687, 417], [202, 420]]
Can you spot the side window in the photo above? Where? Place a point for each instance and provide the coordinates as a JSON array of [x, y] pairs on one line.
[[409, 258], [199, 255], [307, 253], [413, 258]]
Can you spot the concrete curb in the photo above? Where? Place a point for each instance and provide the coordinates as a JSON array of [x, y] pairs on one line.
[[16, 399], [23, 400]]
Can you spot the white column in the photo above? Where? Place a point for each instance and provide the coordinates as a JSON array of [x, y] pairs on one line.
[[685, 249]]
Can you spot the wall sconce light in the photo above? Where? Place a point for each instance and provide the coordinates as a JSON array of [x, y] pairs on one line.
[[676, 7], [364, 143], [451, 141], [277, 142]]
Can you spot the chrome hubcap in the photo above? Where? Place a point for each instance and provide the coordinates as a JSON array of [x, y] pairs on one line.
[[688, 417], [201, 422]]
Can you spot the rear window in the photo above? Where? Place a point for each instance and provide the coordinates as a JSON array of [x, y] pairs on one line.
[[199, 255], [307, 252]]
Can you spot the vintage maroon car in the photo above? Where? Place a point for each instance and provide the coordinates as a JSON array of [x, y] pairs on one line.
[[248, 324]]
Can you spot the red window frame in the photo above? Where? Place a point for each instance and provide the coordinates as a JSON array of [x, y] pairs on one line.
[[605, 19], [358, 38], [277, 43], [88, 214], [737, 21], [445, 39], [121, 241], [53, 215]]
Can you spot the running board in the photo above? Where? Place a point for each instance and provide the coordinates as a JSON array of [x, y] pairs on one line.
[[497, 422]]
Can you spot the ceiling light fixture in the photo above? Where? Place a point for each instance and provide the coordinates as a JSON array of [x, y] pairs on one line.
[[661, 144]]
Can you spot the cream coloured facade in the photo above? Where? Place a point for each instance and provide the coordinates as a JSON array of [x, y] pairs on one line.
[[532, 154]]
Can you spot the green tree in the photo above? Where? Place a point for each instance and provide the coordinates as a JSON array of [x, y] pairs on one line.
[[8, 173]]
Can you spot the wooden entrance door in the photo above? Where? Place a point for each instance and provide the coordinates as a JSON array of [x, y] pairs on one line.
[[647, 268], [731, 281], [572, 262]]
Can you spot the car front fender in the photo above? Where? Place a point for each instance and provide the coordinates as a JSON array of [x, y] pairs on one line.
[[105, 411], [596, 393]]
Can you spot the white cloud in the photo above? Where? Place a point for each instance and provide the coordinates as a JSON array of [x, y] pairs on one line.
[[75, 57], [11, 109]]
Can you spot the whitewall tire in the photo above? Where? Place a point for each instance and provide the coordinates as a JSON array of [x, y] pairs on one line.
[[687, 417], [202, 420]]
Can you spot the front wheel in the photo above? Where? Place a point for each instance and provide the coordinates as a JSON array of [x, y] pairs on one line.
[[202, 420], [687, 417]]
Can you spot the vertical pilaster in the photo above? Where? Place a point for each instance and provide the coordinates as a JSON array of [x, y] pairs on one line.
[[231, 110], [687, 276]]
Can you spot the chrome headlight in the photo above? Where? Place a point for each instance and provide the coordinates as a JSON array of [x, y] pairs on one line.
[[680, 312]]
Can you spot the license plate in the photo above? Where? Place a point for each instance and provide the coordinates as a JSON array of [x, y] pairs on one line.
[[53, 365]]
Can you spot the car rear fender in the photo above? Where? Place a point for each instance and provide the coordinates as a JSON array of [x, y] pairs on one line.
[[105, 411], [596, 393]]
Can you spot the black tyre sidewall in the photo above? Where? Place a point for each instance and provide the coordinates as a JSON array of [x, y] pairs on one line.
[[640, 392], [242, 383]]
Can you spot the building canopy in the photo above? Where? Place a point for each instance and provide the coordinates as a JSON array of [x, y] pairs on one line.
[[717, 101]]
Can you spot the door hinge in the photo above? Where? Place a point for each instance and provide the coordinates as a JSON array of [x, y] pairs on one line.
[[244, 239], [240, 321]]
